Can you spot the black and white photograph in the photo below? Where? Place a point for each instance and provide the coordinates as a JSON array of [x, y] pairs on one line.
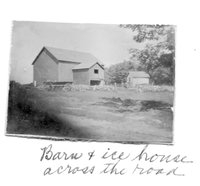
[[99, 92], [101, 82]]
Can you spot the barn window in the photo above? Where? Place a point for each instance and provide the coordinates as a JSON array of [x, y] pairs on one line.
[[96, 71]]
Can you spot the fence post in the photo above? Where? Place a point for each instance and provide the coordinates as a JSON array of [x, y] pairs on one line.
[[115, 85]]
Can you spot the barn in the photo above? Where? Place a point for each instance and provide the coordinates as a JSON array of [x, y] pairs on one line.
[[67, 66], [137, 78]]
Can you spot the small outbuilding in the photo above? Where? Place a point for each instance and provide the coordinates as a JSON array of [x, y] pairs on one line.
[[67, 66], [137, 78]]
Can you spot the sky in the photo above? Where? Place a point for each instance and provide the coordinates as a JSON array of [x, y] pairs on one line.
[[109, 43]]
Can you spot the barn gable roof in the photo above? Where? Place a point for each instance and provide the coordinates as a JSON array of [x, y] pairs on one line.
[[86, 60], [138, 74]]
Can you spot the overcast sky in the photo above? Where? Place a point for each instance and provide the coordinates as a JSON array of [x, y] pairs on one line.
[[109, 43]]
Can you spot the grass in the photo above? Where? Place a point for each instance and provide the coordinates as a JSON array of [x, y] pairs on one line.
[[114, 115]]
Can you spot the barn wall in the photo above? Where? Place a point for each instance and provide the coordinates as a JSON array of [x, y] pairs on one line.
[[81, 77], [93, 76], [139, 81], [45, 69], [65, 71]]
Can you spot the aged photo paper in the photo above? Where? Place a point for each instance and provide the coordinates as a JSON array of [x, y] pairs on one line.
[[97, 82]]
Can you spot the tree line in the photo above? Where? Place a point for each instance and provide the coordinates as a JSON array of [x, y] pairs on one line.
[[157, 58]]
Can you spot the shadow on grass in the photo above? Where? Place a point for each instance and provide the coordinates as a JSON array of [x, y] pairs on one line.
[[29, 113], [130, 105]]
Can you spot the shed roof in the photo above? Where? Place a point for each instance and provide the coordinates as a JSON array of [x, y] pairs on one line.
[[86, 66], [71, 55], [138, 74]]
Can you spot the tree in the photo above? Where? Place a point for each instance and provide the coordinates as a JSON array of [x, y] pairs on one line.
[[158, 56], [118, 73]]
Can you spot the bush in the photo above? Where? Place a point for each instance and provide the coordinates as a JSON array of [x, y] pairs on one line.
[[72, 87], [153, 88]]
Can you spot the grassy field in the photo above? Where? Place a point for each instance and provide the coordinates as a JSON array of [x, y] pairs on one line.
[[116, 115]]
